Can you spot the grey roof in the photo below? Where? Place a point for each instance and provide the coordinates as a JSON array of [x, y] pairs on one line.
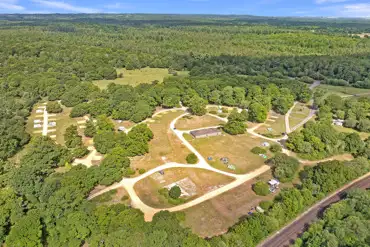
[[205, 131]]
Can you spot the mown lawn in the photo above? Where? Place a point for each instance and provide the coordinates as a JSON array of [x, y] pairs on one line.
[[165, 146], [195, 122], [235, 148], [137, 76]]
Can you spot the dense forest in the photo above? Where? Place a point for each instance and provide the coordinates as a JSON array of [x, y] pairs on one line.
[[345, 223], [249, 62]]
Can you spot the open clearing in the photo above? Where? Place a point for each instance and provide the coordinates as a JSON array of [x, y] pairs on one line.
[[235, 148], [116, 196], [343, 91], [363, 135], [215, 216], [165, 146], [62, 120], [195, 122], [298, 114], [196, 182], [137, 76], [274, 126]]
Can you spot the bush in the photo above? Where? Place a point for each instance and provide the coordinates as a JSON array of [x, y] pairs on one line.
[[223, 115], [174, 192], [53, 107], [224, 110], [191, 159], [276, 148], [266, 205], [261, 188], [258, 150], [142, 171], [235, 127], [213, 112]]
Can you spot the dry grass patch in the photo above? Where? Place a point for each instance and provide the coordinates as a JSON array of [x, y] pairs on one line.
[[195, 122], [165, 146], [215, 216], [274, 126], [137, 76], [363, 135], [116, 196], [235, 148], [298, 114], [198, 182]]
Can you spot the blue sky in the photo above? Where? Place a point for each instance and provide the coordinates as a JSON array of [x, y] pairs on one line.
[[329, 8]]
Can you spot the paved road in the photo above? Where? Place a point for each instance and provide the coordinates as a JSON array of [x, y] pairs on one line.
[[288, 234]]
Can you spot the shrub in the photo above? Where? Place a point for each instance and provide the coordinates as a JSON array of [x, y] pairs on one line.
[[266, 205], [261, 188], [54, 107], [258, 150], [174, 192], [192, 158], [142, 171], [275, 148], [225, 110]]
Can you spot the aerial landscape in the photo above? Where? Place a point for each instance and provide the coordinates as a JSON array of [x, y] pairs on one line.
[[203, 128]]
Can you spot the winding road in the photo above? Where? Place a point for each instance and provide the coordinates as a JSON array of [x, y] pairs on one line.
[[129, 183]]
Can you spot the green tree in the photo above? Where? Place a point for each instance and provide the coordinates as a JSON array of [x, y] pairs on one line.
[[191, 158], [197, 106], [53, 107], [90, 129], [257, 113], [175, 192], [26, 232], [71, 137], [261, 188]]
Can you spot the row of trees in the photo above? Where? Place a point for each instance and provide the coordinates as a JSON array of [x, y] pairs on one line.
[[317, 181], [354, 110], [345, 223], [320, 140]]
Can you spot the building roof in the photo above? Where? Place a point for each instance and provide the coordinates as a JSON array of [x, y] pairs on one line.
[[274, 182], [205, 132]]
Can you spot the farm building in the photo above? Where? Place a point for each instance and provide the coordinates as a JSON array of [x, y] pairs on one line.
[[206, 132]]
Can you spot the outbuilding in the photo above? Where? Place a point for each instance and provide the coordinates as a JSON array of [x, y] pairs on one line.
[[206, 133]]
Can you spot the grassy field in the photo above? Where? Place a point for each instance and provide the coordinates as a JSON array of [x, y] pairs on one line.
[[343, 91], [299, 113], [276, 122], [165, 146], [205, 181], [196, 122], [215, 216], [235, 148], [349, 130], [138, 76]]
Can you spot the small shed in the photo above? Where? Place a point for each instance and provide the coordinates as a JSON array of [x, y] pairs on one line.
[[206, 132]]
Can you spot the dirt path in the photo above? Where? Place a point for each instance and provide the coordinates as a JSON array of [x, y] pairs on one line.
[[129, 183], [45, 123]]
